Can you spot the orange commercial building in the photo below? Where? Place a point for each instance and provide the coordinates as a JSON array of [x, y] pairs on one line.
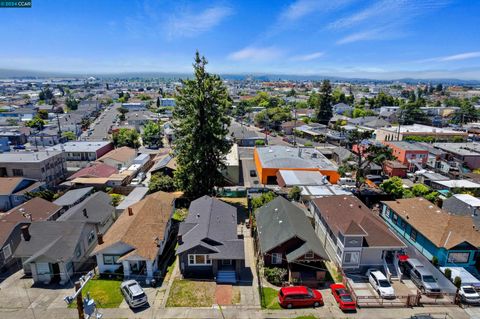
[[407, 153], [269, 160]]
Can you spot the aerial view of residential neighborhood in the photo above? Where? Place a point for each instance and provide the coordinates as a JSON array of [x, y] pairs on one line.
[[237, 159]]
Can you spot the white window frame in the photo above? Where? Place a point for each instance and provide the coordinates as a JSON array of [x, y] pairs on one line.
[[276, 259], [192, 260], [309, 255], [7, 251], [91, 237], [352, 261], [453, 259]]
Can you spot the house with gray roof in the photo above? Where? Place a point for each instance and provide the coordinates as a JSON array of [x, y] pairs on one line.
[[209, 245], [96, 209], [286, 239], [73, 197], [464, 205], [51, 251]]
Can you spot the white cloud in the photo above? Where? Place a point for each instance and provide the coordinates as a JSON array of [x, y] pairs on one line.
[[374, 34], [189, 24], [256, 54], [387, 10], [302, 8], [385, 15], [461, 56], [308, 57]]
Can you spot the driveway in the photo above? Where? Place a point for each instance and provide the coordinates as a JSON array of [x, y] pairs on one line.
[[445, 285], [17, 292]]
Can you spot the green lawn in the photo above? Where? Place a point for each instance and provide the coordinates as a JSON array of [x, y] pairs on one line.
[[187, 293], [270, 298], [106, 293]]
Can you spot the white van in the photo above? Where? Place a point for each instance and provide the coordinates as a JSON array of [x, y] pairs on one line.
[[346, 181]]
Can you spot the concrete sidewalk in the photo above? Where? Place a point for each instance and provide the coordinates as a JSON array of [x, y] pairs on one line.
[[234, 312]]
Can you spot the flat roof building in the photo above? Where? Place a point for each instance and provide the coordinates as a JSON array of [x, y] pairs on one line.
[[269, 160], [46, 166], [393, 133]]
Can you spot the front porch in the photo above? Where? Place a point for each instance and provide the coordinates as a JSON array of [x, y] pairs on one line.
[[140, 270], [311, 274]]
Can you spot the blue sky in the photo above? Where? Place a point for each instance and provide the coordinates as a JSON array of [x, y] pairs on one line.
[[356, 38]]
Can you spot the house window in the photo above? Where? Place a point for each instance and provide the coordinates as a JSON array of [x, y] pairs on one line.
[[276, 259], [352, 257], [91, 237], [458, 257], [309, 255], [78, 251], [413, 235], [17, 172], [199, 260], [7, 251], [110, 259], [226, 262], [395, 218]]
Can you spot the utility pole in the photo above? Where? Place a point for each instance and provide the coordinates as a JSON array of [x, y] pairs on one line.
[[399, 124], [295, 125], [78, 286], [86, 306], [59, 128]]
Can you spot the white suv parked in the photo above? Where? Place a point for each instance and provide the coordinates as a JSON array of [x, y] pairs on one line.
[[133, 293], [380, 283]]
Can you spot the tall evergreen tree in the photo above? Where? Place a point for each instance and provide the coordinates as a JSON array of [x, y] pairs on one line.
[[201, 127], [324, 107]]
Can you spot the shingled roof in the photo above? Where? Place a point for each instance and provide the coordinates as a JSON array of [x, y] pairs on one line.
[[437, 225], [212, 224], [141, 230], [349, 216], [281, 220]]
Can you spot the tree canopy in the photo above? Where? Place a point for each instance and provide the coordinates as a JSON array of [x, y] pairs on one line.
[[324, 103], [72, 103], [152, 134], [366, 153], [126, 137], [201, 128], [161, 182]]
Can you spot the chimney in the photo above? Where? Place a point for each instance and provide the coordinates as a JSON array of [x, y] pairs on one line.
[[85, 213], [130, 211], [25, 232], [99, 238]]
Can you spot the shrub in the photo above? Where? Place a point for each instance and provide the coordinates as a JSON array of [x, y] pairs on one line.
[[295, 193], [308, 144], [448, 273], [259, 142], [263, 199], [275, 275], [116, 199], [457, 282], [435, 261]]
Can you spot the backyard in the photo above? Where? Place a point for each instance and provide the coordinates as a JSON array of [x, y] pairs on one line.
[[187, 293], [106, 293]]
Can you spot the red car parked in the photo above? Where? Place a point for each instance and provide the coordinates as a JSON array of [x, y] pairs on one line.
[[343, 297], [299, 296]]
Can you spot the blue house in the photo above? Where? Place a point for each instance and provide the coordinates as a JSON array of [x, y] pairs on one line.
[[452, 239]]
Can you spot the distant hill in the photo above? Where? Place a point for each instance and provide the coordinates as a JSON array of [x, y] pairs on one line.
[[13, 73]]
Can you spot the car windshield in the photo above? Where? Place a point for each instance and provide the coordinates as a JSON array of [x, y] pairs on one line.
[[346, 298], [469, 290], [384, 283], [140, 296], [310, 292], [428, 278]]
